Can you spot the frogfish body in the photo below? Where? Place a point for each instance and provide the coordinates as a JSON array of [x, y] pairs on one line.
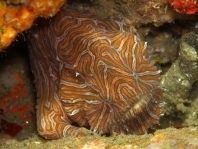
[[92, 72]]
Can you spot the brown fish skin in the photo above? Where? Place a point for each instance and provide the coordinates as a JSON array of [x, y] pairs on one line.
[[93, 72]]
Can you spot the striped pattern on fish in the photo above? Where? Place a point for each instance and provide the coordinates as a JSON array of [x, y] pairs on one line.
[[93, 72]]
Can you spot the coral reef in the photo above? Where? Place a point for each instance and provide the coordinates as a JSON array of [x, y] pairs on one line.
[[185, 6], [17, 16], [17, 115]]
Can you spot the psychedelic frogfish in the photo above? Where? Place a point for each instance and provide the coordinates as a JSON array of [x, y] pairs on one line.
[[92, 73]]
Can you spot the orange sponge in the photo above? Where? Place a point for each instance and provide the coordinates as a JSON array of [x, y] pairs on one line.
[[15, 18]]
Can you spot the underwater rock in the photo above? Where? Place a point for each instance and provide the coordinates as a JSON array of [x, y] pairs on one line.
[[180, 81]]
